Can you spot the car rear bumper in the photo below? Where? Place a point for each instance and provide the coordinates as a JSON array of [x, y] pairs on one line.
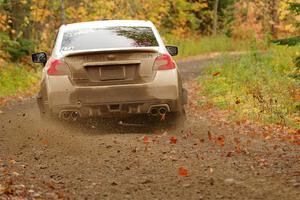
[[114, 100]]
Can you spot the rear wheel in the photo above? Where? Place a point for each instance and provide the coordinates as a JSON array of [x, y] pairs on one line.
[[45, 113], [179, 119]]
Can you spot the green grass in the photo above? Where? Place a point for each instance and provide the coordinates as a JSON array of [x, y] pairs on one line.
[[17, 78], [201, 45], [256, 86]]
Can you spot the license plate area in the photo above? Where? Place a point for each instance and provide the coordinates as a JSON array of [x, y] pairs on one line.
[[111, 74]]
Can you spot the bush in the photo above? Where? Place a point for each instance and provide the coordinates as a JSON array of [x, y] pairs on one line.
[[16, 48]]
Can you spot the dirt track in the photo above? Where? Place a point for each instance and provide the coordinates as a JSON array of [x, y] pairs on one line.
[[89, 161]]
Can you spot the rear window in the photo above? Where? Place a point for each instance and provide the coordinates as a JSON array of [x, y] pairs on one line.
[[108, 37]]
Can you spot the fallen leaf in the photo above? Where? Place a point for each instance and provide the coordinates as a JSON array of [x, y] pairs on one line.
[[45, 142], [291, 131], [229, 154], [216, 73], [221, 140], [173, 140], [146, 140], [183, 171], [296, 142]]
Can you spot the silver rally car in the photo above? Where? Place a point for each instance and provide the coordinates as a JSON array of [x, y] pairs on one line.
[[110, 68]]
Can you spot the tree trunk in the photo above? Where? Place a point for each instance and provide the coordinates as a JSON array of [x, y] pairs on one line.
[[215, 25], [273, 16], [63, 11]]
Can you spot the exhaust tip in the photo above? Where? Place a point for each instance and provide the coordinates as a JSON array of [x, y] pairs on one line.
[[162, 111], [65, 115], [154, 112], [74, 116]]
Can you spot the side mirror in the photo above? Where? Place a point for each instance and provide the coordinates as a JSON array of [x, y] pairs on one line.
[[173, 50], [40, 57]]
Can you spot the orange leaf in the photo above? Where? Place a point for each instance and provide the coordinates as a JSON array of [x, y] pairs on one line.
[[182, 171], [229, 154], [296, 142], [297, 97], [216, 73], [173, 140], [45, 142], [146, 140], [221, 140]]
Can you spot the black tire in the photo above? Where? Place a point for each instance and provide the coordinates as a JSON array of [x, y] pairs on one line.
[[179, 120]]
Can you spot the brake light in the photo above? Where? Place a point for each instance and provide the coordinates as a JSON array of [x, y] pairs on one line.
[[57, 68], [164, 62]]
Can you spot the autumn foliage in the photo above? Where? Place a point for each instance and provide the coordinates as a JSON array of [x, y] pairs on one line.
[[29, 25]]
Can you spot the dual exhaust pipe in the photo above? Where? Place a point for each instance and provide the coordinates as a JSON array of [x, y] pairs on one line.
[[69, 115], [158, 111]]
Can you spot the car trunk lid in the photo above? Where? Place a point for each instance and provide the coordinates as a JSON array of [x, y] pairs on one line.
[[111, 66]]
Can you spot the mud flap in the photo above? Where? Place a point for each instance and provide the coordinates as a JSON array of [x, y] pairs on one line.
[[184, 96], [44, 110]]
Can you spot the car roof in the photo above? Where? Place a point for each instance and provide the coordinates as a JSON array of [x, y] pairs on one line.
[[107, 23]]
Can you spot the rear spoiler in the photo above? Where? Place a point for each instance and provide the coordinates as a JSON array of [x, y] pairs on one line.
[[112, 50]]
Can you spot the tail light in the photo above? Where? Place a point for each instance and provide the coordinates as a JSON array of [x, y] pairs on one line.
[[164, 62], [58, 67]]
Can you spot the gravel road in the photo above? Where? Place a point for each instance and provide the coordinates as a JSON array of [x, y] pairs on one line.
[[206, 160]]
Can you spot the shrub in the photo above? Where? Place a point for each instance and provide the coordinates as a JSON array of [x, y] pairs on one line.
[[16, 48]]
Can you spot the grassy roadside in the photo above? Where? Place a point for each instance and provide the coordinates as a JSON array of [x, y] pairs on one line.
[[192, 46], [259, 87], [17, 79]]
